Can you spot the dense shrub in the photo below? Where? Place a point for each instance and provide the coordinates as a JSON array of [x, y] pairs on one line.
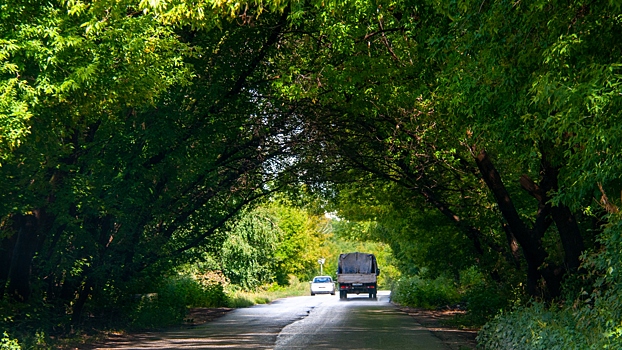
[[419, 292], [592, 320], [539, 327], [266, 294], [169, 305], [482, 299], [484, 302], [30, 325]]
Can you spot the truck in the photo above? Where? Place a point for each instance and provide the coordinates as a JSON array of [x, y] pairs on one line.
[[357, 273]]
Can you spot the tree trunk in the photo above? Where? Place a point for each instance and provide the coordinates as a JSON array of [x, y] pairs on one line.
[[567, 226], [530, 240], [20, 267], [83, 296], [570, 236], [7, 246], [513, 244]]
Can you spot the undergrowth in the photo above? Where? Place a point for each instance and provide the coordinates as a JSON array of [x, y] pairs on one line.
[[266, 294], [425, 293], [482, 300], [589, 316]]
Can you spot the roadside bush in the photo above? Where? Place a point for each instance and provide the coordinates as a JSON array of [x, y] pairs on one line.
[[30, 325], [168, 306], [539, 327], [590, 320], [429, 294], [484, 302]]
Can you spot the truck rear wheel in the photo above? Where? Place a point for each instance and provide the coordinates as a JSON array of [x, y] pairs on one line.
[[343, 294]]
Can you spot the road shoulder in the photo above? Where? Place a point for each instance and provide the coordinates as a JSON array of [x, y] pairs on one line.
[[112, 339], [437, 322]]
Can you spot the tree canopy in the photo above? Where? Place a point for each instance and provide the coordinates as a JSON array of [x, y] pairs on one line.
[[133, 134]]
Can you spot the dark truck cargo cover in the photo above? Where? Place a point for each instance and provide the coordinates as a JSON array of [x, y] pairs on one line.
[[357, 263]]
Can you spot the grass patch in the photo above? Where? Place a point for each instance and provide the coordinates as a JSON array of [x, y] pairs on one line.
[[267, 294]]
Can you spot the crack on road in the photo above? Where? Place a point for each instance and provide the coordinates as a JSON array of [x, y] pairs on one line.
[[307, 313]]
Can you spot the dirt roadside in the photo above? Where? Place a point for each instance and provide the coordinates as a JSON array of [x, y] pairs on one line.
[[195, 317], [201, 315], [438, 322]]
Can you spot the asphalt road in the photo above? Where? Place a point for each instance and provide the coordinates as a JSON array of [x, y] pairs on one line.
[[310, 322]]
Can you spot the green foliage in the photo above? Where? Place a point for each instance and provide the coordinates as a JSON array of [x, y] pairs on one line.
[[305, 238], [6, 343], [273, 242], [538, 327], [485, 301], [73, 61], [266, 294], [589, 320], [248, 253], [168, 304], [541, 81], [430, 294], [417, 235]]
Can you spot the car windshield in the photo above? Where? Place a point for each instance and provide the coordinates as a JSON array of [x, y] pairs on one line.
[[322, 280]]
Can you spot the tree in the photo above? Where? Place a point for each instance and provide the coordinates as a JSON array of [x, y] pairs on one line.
[[144, 139], [528, 75], [443, 98], [371, 107], [420, 237], [304, 240], [56, 76], [248, 253]]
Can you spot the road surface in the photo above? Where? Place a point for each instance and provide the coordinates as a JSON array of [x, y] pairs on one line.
[[310, 322]]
